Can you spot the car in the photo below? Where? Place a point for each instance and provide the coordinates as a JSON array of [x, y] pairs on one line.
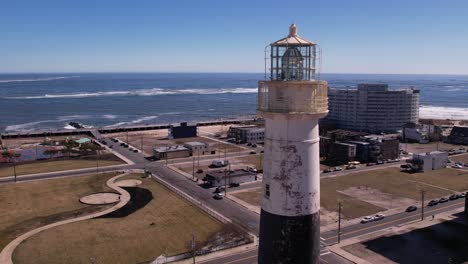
[[350, 167], [135, 150], [199, 171], [122, 144], [217, 135], [234, 184], [110, 146], [249, 144], [457, 166], [327, 170], [379, 217], [367, 219], [252, 152], [380, 162], [433, 202], [219, 189], [412, 208], [462, 195], [254, 145], [103, 142], [443, 200], [218, 196], [262, 151], [453, 197], [338, 169]]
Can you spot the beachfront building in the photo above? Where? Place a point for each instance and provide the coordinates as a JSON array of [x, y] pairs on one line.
[[197, 148], [247, 134], [183, 130], [373, 108], [171, 152]]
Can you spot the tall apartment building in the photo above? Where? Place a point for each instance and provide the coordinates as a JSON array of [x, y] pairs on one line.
[[373, 108]]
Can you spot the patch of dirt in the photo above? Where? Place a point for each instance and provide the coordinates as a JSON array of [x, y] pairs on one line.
[[327, 217], [377, 198]]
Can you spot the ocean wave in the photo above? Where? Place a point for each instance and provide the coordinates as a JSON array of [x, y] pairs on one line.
[[38, 79], [31, 126], [133, 122], [442, 112], [141, 92]]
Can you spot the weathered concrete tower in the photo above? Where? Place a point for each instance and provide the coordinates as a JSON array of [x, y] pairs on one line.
[[291, 102]]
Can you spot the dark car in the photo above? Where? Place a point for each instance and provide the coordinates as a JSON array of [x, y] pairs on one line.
[[433, 202], [234, 185], [380, 162], [136, 151], [219, 189], [252, 152], [453, 197], [199, 171], [122, 144], [411, 209], [254, 145], [443, 200]]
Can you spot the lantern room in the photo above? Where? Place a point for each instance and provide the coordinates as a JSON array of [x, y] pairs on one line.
[[292, 58]]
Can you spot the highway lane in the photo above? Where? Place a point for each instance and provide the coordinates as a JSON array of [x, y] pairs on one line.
[[331, 237]]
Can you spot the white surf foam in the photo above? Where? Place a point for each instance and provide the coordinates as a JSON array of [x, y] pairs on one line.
[[38, 79], [30, 126], [142, 92], [442, 112], [133, 122]]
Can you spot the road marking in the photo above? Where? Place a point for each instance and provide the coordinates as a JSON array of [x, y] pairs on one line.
[[325, 253], [237, 260], [321, 238], [396, 220]]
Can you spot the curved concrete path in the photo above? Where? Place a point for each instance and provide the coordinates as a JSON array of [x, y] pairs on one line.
[[7, 252]]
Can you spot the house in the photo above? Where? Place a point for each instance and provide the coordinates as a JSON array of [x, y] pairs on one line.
[[459, 135], [430, 161], [171, 152], [227, 177], [197, 148], [416, 133]]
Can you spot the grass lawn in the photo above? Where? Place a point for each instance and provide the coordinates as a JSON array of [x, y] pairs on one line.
[[253, 197], [389, 180], [452, 179], [28, 205], [54, 165], [163, 226]]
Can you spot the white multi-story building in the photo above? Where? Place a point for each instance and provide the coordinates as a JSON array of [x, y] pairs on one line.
[[373, 108], [431, 161]]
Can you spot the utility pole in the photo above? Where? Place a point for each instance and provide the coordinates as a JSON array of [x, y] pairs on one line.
[[422, 204], [198, 159], [127, 137], [225, 182], [14, 167], [166, 152], [193, 248], [97, 162], [193, 168], [141, 143], [339, 222]]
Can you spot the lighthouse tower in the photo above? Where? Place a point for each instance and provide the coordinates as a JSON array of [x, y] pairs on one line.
[[291, 101]]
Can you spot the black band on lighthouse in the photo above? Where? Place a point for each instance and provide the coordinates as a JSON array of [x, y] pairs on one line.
[[289, 239]]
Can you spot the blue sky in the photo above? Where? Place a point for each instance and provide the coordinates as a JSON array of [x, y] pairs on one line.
[[358, 36]]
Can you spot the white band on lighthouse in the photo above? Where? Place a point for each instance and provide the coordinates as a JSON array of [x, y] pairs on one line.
[[291, 152]]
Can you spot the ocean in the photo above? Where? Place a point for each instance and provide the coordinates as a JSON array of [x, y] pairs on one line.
[[50, 101]]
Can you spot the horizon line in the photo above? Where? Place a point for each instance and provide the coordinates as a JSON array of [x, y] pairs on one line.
[[214, 72]]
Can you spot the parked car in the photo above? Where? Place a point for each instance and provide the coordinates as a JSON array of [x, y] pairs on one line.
[[338, 169], [380, 162], [264, 151], [462, 195], [254, 145], [218, 196], [443, 200], [457, 166], [379, 217], [350, 167], [453, 197], [199, 171], [433, 202], [234, 184], [327, 170], [249, 144], [412, 208], [135, 151], [252, 152], [367, 219]]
